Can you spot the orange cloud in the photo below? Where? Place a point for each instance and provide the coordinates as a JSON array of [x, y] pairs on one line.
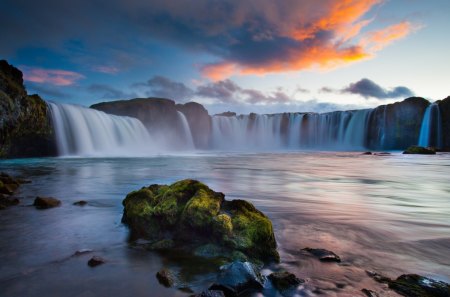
[[51, 76], [331, 40]]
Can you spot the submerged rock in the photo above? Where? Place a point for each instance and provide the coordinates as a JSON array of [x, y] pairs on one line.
[[413, 285], [237, 278], [285, 282], [193, 217], [419, 150], [166, 277], [8, 185], [369, 293], [323, 255], [46, 202], [95, 261], [80, 203], [210, 293]]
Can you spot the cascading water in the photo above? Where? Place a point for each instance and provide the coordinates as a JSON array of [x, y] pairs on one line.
[[430, 131], [335, 130], [186, 131], [83, 131]]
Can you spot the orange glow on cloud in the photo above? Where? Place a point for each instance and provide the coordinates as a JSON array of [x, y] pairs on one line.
[[51, 76], [344, 19]]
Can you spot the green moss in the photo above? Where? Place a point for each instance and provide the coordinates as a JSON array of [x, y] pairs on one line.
[[414, 149], [202, 208]]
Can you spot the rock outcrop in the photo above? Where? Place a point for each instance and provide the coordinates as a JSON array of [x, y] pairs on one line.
[[191, 216], [444, 107], [25, 125]]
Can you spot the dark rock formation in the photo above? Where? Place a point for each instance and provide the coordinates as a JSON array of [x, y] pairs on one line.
[[95, 261], [210, 293], [46, 202], [199, 122], [397, 125], [323, 255], [166, 277], [413, 285], [238, 278], [418, 150], [285, 282], [369, 293], [444, 107], [198, 219], [25, 125], [8, 185]]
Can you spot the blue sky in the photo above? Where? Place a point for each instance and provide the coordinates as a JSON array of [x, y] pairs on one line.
[[256, 55]]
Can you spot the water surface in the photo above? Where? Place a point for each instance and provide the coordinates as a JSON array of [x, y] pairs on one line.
[[385, 213]]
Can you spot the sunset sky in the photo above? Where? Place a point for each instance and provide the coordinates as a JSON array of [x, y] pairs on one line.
[[256, 55]]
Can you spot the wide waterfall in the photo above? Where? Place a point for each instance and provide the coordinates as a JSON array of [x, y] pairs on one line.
[[334, 130], [83, 131], [430, 131]]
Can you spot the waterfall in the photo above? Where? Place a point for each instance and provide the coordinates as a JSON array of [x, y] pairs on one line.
[[335, 130], [431, 129], [83, 131], [186, 131]]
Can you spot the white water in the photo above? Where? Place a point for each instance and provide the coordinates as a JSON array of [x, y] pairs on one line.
[[430, 131], [83, 131], [186, 132], [336, 130]]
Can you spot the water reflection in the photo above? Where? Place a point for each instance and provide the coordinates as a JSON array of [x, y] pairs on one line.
[[388, 214]]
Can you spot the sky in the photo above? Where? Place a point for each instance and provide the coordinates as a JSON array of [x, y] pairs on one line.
[[244, 56]]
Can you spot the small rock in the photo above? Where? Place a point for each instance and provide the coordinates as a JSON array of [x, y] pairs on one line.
[[382, 154], [369, 293], [80, 203], [285, 282], [413, 285], [323, 255], [46, 202], [210, 293], [166, 277], [420, 150], [95, 261], [6, 201], [378, 277], [237, 278], [367, 153]]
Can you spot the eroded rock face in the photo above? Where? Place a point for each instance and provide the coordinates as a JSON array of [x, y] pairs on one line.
[[191, 216], [25, 125]]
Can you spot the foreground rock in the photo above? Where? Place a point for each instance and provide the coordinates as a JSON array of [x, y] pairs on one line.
[[8, 185], [188, 215], [25, 126], [285, 282], [419, 150], [166, 277], [413, 285], [46, 202], [238, 278], [323, 255], [210, 293]]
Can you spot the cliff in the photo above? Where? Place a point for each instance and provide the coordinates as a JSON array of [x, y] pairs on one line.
[[25, 126]]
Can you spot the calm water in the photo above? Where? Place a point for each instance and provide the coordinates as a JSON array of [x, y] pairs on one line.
[[385, 213]]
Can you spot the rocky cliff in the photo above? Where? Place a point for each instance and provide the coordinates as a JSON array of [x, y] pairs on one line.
[[25, 126]]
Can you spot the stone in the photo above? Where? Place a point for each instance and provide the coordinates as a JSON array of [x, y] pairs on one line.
[[369, 293], [323, 255], [80, 203], [191, 216], [46, 202], [96, 261], [413, 285], [285, 282], [210, 293], [166, 277], [238, 278], [419, 150]]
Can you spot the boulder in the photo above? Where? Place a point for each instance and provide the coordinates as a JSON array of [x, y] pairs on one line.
[[419, 150], [195, 218], [323, 255], [95, 261], [25, 125], [285, 282], [46, 202], [238, 278], [166, 277], [413, 285]]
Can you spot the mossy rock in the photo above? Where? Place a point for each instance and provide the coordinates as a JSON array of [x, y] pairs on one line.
[[197, 218], [419, 150], [413, 285]]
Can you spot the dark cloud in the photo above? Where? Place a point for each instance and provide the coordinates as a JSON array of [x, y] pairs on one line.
[[326, 90], [108, 92], [164, 87], [367, 88], [225, 91], [251, 36]]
